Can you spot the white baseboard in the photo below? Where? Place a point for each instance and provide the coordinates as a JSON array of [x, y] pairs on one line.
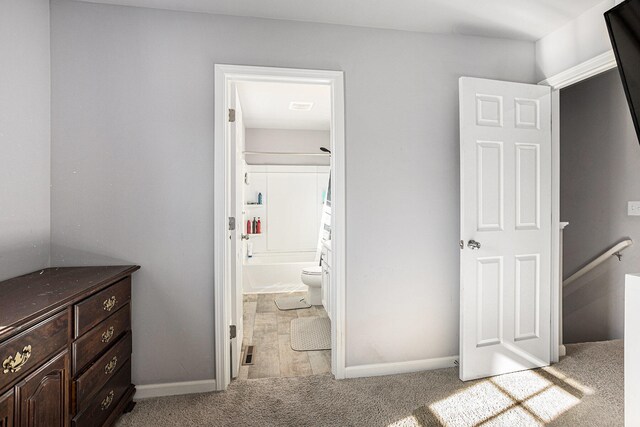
[[173, 389], [277, 288], [392, 368], [563, 350]]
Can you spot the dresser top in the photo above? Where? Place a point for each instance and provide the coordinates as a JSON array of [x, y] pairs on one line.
[[26, 299]]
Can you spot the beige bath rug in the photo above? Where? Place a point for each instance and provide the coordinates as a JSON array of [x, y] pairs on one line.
[[311, 333], [295, 302]]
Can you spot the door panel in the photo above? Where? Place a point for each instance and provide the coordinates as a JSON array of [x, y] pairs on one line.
[[527, 292], [42, 396], [6, 409], [505, 165], [527, 186], [489, 311], [490, 186]]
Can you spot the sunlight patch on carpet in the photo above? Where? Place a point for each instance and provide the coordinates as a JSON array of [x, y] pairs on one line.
[[472, 406], [519, 399], [521, 385], [409, 421], [551, 403], [516, 416], [570, 381]]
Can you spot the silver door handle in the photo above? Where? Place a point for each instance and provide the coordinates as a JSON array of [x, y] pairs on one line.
[[473, 245], [244, 237]]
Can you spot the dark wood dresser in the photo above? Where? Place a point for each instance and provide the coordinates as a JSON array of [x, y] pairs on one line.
[[65, 347]]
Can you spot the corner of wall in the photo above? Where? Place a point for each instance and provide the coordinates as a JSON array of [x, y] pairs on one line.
[[579, 40], [25, 227]]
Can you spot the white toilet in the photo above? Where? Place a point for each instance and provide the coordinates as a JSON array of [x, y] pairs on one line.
[[312, 277]]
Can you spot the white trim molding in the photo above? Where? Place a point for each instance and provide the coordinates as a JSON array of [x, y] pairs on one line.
[[589, 68], [174, 389], [225, 75], [556, 237], [394, 368]]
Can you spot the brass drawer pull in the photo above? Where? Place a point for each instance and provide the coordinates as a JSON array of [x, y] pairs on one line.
[[106, 402], [14, 364], [111, 366], [109, 303], [107, 335]]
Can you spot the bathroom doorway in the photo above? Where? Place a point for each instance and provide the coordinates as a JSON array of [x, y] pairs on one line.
[[279, 289]]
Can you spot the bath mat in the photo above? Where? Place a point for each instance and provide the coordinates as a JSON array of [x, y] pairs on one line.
[[311, 333], [294, 302]]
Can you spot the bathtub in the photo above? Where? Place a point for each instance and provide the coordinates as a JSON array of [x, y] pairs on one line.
[[276, 272]]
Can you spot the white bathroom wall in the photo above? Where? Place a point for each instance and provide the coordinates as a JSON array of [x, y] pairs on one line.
[[289, 141], [25, 136], [291, 209]]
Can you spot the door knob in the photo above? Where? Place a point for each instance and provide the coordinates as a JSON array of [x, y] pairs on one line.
[[473, 245], [244, 237]]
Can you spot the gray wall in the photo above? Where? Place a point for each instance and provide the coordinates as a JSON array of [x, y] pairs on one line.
[[579, 40], [599, 161], [24, 136], [133, 168]]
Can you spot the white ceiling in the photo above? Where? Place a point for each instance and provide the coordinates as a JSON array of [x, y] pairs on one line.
[[515, 19], [266, 105]]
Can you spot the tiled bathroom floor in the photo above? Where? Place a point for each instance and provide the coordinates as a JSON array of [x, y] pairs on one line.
[[268, 329]]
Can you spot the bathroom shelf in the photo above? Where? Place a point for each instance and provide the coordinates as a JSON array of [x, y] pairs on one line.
[[253, 206]]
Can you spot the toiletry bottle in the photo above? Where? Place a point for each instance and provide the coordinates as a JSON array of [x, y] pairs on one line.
[[248, 226], [259, 198], [259, 227], [249, 250], [254, 225]]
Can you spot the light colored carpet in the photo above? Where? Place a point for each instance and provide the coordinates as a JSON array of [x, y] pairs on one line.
[[295, 302], [311, 333], [584, 389]]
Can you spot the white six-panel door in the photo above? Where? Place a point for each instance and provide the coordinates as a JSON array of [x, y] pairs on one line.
[[236, 206], [505, 258]]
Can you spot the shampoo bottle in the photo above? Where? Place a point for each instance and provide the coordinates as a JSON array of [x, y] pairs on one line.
[[258, 227], [248, 226], [259, 198]]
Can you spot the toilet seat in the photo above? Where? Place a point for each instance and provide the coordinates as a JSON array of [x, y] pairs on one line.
[[312, 271]]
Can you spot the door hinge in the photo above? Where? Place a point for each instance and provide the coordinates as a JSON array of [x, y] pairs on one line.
[[232, 331], [232, 115], [232, 223]]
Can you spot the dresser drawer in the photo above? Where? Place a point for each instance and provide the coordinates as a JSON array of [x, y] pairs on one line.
[[95, 309], [102, 404], [102, 371], [29, 349], [94, 342]]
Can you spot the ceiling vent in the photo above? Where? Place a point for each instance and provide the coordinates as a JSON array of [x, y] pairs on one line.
[[300, 106]]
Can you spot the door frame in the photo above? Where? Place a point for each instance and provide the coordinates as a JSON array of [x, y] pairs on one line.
[[224, 75], [583, 71]]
